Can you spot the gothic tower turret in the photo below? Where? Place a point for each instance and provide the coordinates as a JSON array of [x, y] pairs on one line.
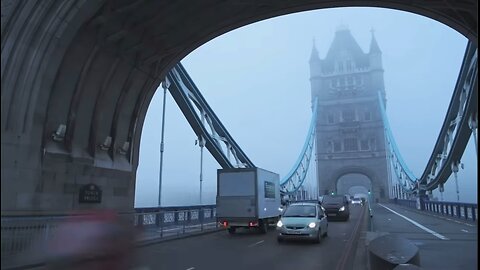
[[376, 66], [315, 62], [315, 70]]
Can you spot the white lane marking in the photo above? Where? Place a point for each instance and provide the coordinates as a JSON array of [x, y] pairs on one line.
[[191, 268], [254, 244], [464, 230], [459, 222], [416, 224]]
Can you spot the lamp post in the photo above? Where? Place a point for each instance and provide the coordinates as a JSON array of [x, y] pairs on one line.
[[165, 85], [201, 142], [455, 167]]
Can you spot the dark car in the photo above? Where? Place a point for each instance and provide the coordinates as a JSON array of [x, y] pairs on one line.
[[336, 207]]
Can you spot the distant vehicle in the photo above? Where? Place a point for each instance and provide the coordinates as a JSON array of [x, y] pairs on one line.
[[336, 207], [248, 198], [285, 200], [357, 201], [303, 221]]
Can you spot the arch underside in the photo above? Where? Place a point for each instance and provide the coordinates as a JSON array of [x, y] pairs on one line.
[[77, 78], [354, 181], [374, 169]]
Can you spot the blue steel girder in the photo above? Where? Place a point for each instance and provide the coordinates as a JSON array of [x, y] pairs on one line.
[[206, 125], [292, 182], [456, 129]]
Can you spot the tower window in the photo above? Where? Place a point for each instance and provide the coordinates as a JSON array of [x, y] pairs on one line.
[[340, 66], [350, 80], [348, 115], [330, 118], [349, 65], [329, 146], [350, 144], [337, 147], [368, 116], [364, 145], [373, 145]]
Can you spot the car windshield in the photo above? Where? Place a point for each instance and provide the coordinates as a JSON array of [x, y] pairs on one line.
[[300, 211], [355, 199], [333, 199]]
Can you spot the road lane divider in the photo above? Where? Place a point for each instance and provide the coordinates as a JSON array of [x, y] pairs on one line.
[[348, 247], [257, 243]]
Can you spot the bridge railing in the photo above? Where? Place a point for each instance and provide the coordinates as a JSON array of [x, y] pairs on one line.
[[19, 235], [465, 211], [175, 221]]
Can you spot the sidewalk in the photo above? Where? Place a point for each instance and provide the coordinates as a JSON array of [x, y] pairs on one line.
[[154, 235]]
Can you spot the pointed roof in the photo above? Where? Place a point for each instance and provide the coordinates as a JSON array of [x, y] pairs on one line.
[[314, 54], [344, 42], [374, 48]]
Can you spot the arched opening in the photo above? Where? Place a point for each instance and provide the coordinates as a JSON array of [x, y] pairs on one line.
[[211, 87], [354, 184], [360, 191]]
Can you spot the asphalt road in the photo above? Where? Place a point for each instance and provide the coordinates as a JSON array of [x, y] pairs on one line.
[[252, 250], [444, 243]]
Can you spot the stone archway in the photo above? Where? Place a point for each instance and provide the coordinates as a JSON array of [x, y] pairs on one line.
[[379, 188], [352, 183]]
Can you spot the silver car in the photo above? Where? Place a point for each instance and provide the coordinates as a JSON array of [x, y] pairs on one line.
[[302, 221], [357, 201]]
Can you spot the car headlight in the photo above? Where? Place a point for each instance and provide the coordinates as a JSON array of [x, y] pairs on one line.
[[312, 225], [279, 224], [342, 208]]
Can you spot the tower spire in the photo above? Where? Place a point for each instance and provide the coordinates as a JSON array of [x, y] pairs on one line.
[[374, 48], [314, 54]]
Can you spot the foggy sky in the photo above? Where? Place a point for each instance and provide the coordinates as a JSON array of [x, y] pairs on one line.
[[256, 79]]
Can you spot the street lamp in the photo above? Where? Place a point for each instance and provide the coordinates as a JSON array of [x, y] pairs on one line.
[[201, 143], [165, 85]]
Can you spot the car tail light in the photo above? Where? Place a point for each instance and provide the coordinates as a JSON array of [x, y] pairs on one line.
[[253, 223], [225, 224]]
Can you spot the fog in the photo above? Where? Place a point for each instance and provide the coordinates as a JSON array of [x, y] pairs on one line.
[[256, 79]]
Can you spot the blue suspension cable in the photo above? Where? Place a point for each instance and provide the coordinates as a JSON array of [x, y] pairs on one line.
[[393, 145], [299, 169]]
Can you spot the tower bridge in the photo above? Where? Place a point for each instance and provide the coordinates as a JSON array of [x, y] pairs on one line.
[[78, 77]]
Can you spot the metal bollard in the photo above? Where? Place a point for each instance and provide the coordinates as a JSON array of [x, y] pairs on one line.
[[388, 251]]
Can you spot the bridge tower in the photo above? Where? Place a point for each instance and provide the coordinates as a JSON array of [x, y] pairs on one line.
[[350, 136]]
